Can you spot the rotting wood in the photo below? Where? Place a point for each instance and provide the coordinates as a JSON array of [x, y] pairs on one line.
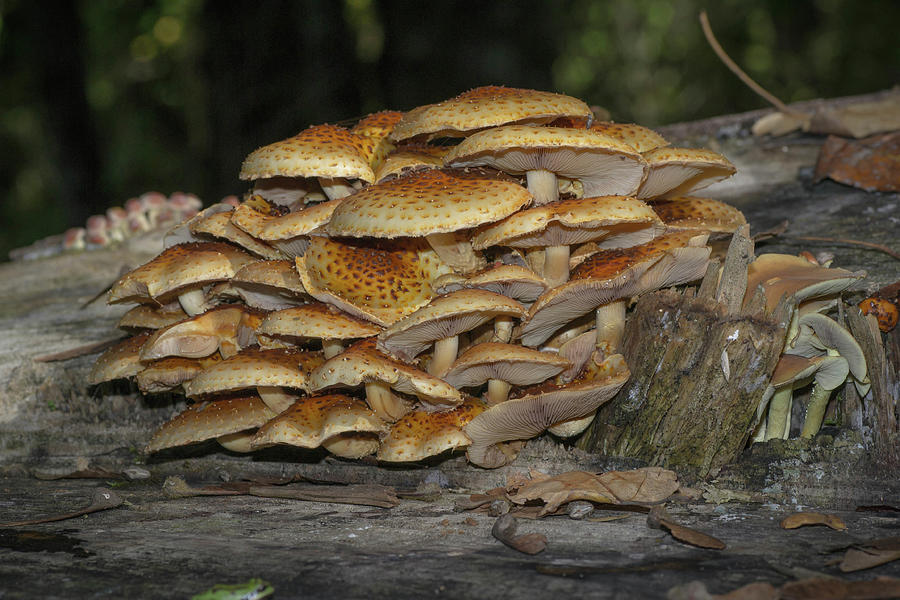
[[700, 364]]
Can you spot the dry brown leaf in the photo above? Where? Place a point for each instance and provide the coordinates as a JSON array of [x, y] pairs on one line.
[[504, 529], [801, 519], [659, 518], [871, 164], [858, 559], [881, 588], [646, 486]]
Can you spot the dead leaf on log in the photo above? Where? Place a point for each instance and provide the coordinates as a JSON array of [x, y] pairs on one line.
[[504, 529], [871, 164], [649, 485], [870, 554], [658, 518], [801, 519], [102, 499], [838, 589]]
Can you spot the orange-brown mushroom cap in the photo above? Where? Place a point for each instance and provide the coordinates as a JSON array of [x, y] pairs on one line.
[[421, 433]]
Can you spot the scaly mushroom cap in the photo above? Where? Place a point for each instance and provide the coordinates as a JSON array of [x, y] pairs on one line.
[[380, 282], [604, 165], [324, 151], [219, 225], [311, 422], [121, 361], [279, 367], [411, 157], [637, 136], [698, 214], [609, 275], [421, 434], [624, 220], [317, 320], [166, 374], [525, 417], [269, 285], [784, 274], [487, 106], [224, 328], [176, 268], [208, 420], [511, 363], [282, 227], [426, 202], [374, 130], [444, 317], [363, 363], [147, 316], [680, 171], [512, 281]]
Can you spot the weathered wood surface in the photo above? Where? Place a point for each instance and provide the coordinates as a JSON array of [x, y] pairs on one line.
[[52, 423]]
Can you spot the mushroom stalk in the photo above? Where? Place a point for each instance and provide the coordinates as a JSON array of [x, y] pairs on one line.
[[535, 258], [336, 188], [444, 355], [542, 185], [456, 251], [332, 348], [610, 326], [383, 402], [497, 391], [572, 427], [193, 302], [815, 410], [351, 445], [556, 265], [236, 442], [503, 326], [275, 397], [778, 424]]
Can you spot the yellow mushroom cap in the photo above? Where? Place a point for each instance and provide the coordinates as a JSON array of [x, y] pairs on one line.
[[698, 214], [637, 136], [420, 434], [680, 171], [318, 320], [253, 367]]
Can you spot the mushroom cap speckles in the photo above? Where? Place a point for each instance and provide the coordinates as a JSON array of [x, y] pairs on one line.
[[311, 421], [680, 171], [420, 434], [487, 106], [278, 274], [321, 151], [219, 225], [317, 320], [511, 363], [535, 410], [445, 316], [208, 420], [612, 274], [698, 214], [379, 282], [252, 367], [374, 130], [512, 281], [166, 374], [569, 221], [147, 316], [425, 202], [120, 361], [177, 267], [362, 363], [409, 158], [637, 136], [224, 328]]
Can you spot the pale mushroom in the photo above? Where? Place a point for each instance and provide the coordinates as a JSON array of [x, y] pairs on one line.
[[603, 165], [317, 321], [225, 329], [269, 285], [120, 361], [147, 316], [168, 374], [680, 171]]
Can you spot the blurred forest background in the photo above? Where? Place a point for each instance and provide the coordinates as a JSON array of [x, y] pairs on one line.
[[105, 99]]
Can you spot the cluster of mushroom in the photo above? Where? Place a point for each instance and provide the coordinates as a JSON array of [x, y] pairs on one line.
[[451, 277]]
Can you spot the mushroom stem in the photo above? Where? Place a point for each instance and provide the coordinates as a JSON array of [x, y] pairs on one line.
[[383, 402], [572, 427], [535, 258], [815, 410], [336, 188], [455, 250], [193, 302], [351, 445], [556, 265], [236, 442], [332, 348], [444, 355], [542, 185], [610, 326], [497, 391], [503, 326], [275, 397], [779, 420]]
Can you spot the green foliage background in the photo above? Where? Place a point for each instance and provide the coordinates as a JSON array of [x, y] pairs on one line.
[[105, 99]]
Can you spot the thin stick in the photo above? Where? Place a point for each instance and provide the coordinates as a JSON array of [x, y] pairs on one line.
[[102, 499], [734, 68], [873, 246], [92, 348]]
